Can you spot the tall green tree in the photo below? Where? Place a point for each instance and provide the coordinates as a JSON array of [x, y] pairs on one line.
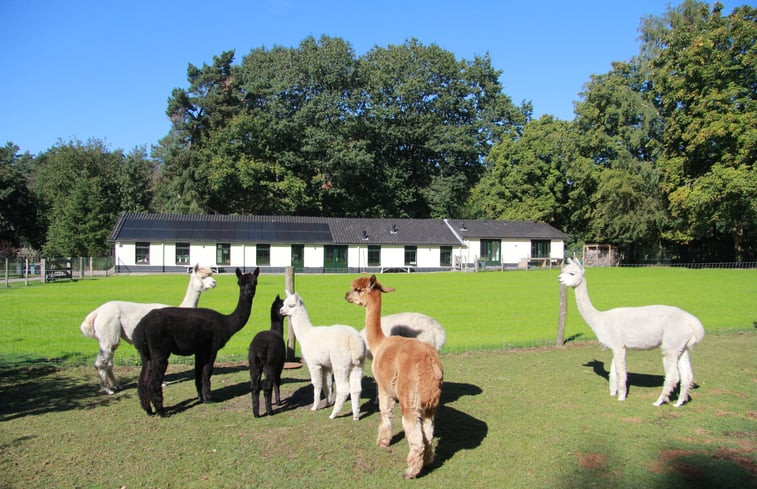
[[78, 187], [703, 75], [532, 178], [619, 131], [18, 205]]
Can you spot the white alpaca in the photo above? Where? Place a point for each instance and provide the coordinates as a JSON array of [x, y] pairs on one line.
[[640, 328], [117, 319], [412, 325], [326, 349]]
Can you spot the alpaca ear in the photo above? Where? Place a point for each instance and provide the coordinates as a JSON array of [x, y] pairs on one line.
[[288, 294], [197, 267], [386, 289], [239, 272], [257, 271]]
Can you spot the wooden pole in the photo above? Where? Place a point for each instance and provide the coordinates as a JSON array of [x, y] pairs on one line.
[[289, 287], [563, 315]]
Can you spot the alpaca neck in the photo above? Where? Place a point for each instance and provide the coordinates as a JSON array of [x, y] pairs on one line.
[[373, 332], [590, 314], [241, 314], [277, 325], [192, 297], [300, 322]]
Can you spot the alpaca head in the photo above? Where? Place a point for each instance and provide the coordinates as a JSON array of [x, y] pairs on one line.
[[202, 279], [572, 273], [291, 303], [248, 283], [363, 287], [276, 308]]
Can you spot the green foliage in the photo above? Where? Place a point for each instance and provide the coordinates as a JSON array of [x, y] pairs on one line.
[[705, 85], [17, 202], [400, 131]]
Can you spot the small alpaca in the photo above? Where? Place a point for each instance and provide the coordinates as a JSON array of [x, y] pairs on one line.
[[336, 349], [640, 328], [266, 355], [117, 319], [412, 325], [199, 332], [406, 370]]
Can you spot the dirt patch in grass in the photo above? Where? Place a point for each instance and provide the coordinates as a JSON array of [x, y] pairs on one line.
[[592, 460]]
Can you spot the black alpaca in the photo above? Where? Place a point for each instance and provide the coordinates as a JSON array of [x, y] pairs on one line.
[[182, 331], [266, 356]]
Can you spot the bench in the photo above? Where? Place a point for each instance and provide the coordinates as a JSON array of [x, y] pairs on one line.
[[52, 275], [406, 268]]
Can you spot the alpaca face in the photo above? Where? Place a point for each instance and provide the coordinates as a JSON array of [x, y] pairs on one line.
[[362, 287], [202, 279], [290, 304], [248, 283], [572, 274]]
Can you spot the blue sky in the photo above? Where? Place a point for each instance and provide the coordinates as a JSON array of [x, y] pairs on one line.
[[105, 69]]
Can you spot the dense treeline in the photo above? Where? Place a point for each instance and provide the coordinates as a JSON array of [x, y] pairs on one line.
[[659, 159]]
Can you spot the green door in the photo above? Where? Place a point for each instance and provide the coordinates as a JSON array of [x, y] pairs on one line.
[[335, 258]]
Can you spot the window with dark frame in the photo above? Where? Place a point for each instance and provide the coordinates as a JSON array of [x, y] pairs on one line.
[[445, 256], [540, 248], [223, 254], [143, 253], [374, 255], [182, 253], [262, 254], [411, 253]]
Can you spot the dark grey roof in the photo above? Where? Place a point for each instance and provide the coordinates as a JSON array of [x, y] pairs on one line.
[[392, 231], [319, 230], [220, 228], [505, 229]]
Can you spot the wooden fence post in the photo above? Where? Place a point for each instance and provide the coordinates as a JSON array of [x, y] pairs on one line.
[[563, 315], [289, 287]]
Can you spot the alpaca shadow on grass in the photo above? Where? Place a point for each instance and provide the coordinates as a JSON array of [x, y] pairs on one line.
[[40, 386], [638, 380], [454, 429]]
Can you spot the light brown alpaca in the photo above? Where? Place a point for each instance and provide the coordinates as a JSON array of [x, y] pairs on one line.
[[405, 370]]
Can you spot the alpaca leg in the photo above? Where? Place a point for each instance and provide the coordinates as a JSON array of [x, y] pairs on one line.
[[613, 378], [203, 372], [316, 377], [277, 387], [356, 387], [411, 423], [255, 390], [670, 364], [687, 378], [342, 391], [619, 362], [386, 408], [104, 366], [267, 388], [155, 386], [428, 439], [143, 385], [328, 382]]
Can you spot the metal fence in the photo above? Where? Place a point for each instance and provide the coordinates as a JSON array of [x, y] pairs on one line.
[[49, 269]]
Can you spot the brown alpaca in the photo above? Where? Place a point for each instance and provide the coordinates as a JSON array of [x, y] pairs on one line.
[[405, 370]]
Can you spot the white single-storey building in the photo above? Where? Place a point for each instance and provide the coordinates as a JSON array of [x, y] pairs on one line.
[[146, 242]]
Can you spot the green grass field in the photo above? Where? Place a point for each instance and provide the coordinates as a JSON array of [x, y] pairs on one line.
[[478, 310], [511, 417]]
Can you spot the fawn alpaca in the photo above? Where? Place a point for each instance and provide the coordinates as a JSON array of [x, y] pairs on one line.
[[405, 370]]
